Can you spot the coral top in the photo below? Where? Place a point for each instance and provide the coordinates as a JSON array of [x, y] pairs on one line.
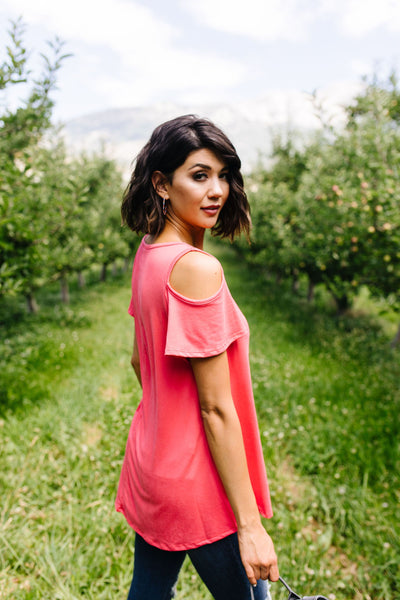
[[169, 490]]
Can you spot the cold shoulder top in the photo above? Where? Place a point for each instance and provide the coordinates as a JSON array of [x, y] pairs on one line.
[[169, 489]]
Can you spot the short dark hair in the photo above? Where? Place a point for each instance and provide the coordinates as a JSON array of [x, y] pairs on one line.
[[168, 147]]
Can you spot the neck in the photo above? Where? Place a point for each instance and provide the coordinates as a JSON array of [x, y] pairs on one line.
[[177, 232]]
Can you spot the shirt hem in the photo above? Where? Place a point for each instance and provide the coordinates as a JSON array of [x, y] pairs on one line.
[[186, 545], [177, 547], [208, 351]]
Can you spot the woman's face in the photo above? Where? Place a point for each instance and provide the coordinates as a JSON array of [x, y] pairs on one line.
[[198, 191]]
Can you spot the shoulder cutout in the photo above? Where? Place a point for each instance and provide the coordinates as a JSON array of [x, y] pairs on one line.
[[196, 275]]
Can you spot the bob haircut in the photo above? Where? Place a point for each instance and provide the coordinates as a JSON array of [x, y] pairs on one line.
[[168, 148]]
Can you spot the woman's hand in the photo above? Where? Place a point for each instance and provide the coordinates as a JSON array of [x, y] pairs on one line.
[[257, 553]]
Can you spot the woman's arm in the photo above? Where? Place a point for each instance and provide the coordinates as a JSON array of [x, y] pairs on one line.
[[225, 440], [135, 360], [199, 276]]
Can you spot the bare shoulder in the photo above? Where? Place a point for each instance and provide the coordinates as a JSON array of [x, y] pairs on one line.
[[196, 275]]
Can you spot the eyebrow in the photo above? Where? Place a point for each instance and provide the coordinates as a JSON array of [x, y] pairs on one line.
[[206, 167]]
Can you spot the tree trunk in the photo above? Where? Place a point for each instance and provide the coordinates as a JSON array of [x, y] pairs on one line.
[[81, 279], [396, 339], [32, 305], [64, 289], [342, 303], [114, 269], [103, 273], [310, 291], [126, 264], [295, 283]]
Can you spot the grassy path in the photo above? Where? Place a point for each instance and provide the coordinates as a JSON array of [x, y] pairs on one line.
[[60, 537], [328, 402]]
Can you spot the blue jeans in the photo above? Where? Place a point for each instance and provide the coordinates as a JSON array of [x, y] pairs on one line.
[[219, 565]]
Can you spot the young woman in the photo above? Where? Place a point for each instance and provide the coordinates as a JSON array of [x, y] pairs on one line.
[[193, 479]]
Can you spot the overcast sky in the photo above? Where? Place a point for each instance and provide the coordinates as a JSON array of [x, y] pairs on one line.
[[139, 52]]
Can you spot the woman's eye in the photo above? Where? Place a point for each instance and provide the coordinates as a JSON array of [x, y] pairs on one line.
[[199, 176], [224, 176]]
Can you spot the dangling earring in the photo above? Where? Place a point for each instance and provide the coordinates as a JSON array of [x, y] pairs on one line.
[[164, 206]]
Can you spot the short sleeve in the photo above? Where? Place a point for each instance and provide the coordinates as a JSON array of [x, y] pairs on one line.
[[201, 328]]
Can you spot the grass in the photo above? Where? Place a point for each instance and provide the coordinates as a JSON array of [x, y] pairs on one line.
[[327, 396]]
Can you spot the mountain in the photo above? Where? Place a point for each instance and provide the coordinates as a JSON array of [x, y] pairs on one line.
[[251, 125]]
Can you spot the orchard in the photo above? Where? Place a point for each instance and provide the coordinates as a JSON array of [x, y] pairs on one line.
[[331, 209], [59, 215], [327, 210]]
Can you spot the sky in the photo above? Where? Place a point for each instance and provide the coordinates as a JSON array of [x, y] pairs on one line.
[[129, 53]]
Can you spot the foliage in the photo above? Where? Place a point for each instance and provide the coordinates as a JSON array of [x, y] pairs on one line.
[[24, 126], [20, 132], [331, 209], [58, 215]]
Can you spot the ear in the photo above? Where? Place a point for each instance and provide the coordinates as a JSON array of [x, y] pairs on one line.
[[159, 182]]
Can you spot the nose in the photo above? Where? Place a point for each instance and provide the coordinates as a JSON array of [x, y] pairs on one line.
[[215, 190]]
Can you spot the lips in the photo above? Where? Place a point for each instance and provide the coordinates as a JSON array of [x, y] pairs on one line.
[[211, 210]]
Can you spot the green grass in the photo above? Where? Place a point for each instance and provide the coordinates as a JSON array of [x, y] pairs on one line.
[[327, 392], [327, 395]]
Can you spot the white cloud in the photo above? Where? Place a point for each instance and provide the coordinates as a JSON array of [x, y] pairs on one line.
[[116, 23], [360, 17], [361, 67], [128, 54], [291, 20], [263, 20], [125, 50]]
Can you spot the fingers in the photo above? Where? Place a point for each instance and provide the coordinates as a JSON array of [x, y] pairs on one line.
[[272, 569], [271, 573], [250, 574], [262, 572], [274, 573]]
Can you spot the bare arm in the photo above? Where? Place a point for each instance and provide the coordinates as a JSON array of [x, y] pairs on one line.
[[135, 360], [199, 276], [225, 440]]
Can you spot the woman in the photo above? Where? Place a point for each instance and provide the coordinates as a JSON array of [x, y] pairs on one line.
[[193, 479]]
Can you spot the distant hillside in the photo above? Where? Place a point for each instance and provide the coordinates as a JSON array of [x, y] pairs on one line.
[[123, 132]]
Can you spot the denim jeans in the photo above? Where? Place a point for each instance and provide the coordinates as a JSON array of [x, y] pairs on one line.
[[218, 564]]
